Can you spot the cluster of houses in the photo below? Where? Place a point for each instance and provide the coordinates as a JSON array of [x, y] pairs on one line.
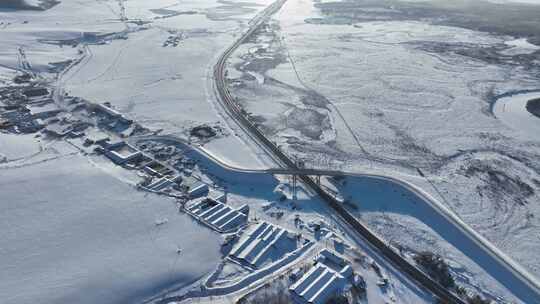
[[256, 245], [24, 109], [32, 109], [29, 109], [161, 177], [165, 179]]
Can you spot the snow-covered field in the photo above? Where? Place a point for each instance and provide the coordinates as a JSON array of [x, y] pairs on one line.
[[129, 63], [13, 147], [405, 98], [406, 221], [74, 229], [166, 86], [396, 96]]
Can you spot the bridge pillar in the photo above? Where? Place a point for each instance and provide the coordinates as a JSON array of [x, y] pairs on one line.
[[294, 184]]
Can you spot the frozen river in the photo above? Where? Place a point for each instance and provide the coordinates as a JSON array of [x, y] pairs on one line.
[[512, 110]]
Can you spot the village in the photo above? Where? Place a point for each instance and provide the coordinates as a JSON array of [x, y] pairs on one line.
[[300, 261]]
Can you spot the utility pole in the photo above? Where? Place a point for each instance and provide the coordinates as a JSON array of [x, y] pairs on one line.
[[23, 62]]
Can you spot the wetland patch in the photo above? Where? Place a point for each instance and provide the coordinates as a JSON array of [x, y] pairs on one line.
[[519, 20]]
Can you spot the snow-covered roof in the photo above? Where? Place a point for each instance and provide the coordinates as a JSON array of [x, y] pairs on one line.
[[108, 110], [96, 135], [326, 254], [318, 285], [122, 152], [197, 189], [46, 110], [322, 281], [160, 184], [58, 130], [218, 215], [265, 242], [111, 112]]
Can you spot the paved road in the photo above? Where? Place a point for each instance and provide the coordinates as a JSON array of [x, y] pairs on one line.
[[238, 114]]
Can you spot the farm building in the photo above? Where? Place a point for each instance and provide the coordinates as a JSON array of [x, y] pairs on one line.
[[326, 279], [219, 215], [163, 183], [266, 242], [122, 152], [197, 189]]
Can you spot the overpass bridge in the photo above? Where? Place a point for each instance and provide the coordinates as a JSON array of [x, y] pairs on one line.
[[305, 171]]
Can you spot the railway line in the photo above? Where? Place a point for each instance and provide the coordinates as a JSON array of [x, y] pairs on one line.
[[232, 108]]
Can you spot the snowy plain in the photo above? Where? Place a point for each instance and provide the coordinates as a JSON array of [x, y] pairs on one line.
[[410, 99], [173, 92], [168, 88], [73, 230], [171, 89]]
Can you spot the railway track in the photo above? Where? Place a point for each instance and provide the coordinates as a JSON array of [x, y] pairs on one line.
[[232, 108]]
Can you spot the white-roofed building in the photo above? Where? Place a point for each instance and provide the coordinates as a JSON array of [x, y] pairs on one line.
[[122, 152], [44, 111], [163, 183], [322, 281], [197, 189], [218, 215], [263, 243]]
